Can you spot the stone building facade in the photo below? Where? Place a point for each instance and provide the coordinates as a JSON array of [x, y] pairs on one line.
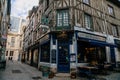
[[65, 34], [5, 8], [14, 40]]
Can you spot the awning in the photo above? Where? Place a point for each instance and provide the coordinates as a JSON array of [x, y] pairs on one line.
[[97, 43]]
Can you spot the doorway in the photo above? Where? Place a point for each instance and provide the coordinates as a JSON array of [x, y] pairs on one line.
[[63, 56]]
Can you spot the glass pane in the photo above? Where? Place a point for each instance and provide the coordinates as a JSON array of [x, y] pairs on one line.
[[88, 21], [59, 19], [65, 19], [86, 1]]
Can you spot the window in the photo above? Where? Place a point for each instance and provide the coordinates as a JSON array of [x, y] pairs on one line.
[[115, 30], [86, 1], [12, 41], [45, 52], [88, 21], [11, 53], [62, 18], [46, 4], [20, 43], [93, 55], [6, 53], [110, 10]]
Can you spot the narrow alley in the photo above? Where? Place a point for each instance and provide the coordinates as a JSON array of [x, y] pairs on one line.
[[19, 71]]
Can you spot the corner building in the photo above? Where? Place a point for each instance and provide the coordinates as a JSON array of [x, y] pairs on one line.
[[72, 33]]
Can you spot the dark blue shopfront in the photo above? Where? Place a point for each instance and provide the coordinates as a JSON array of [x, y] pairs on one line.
[[96, 41]]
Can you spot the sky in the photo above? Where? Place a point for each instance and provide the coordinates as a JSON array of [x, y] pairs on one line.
[[20, 8]]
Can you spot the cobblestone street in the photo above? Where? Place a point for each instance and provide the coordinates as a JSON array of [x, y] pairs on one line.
[[21, 71]]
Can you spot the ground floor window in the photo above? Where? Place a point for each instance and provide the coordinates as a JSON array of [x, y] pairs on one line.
[[91, 53], [45, 52], [35, 56]]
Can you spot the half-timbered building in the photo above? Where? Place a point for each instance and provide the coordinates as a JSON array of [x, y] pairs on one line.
[[73, 33]]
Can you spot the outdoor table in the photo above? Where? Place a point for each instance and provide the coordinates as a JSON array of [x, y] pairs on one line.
[[87, 69]]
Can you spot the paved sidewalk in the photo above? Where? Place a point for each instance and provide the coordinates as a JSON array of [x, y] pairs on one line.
[[20, 71]]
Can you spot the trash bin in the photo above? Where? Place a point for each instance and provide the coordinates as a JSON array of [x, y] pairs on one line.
[[45, 71]]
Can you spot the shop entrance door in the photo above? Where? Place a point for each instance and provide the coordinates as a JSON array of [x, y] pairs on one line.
[[63, 57]]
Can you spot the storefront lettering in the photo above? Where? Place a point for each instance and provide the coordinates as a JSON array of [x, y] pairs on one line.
[[90, 36]]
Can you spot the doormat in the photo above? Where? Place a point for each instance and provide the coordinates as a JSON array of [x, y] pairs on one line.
[[36, 78], [16, 71]]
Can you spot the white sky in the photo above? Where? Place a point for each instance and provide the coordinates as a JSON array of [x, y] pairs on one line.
[[21, 7]]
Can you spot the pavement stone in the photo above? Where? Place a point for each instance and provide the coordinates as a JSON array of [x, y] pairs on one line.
[[26, 72]]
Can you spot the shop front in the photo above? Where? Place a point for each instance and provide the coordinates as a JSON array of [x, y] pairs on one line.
[[91, 49], [35, 57], [44, 52], [55, 52], [117, 42]]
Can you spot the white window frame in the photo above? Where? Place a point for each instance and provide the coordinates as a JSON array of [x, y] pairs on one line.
[[62, 18], [110, 10], [12, 41], [88, 21], [115, 30]]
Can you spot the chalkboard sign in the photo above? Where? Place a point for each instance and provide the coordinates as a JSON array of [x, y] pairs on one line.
[[53, 55]]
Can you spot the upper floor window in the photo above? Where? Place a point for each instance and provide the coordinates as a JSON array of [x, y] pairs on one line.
[[86, 1], [88, 21], [62, 18], [47, 4], [115, 30], [11, 53], [110, 10], [12, 41]]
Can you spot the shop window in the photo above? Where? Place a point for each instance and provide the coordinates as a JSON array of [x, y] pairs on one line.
[[88, 22], [45, 52], [91, 54], [35, 56]]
